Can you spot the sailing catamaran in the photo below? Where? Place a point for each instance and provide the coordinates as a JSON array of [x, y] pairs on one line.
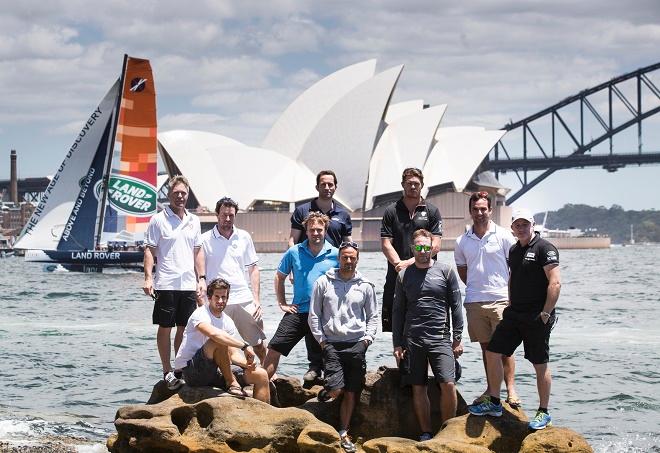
[[104, 191]]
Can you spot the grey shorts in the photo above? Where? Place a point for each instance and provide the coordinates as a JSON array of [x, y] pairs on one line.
[[438, 355], [202, 371]]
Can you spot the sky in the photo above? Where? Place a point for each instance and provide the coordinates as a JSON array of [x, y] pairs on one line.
[[232, 67]]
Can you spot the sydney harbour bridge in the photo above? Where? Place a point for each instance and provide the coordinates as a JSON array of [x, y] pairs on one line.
[[604, 126]]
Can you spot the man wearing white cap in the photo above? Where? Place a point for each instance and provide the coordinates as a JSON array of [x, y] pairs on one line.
[[534, 289]]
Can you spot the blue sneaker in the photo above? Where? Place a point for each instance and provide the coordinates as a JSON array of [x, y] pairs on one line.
[[540, 421], [486, 407]]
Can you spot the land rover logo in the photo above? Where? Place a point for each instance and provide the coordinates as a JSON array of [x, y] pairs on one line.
[[130, 195]]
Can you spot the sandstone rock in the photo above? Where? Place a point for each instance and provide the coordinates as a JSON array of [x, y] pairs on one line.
[[205, 419], [218, 425], [291, 394], [499, 434], [384, 409], [555, 440]]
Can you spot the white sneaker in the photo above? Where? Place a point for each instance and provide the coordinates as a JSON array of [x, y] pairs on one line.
[[173, 382]]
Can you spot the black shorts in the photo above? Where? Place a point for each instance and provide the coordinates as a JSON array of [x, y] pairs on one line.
[[438, 354], [525, 328], [202, 371], [173, 307], [292, 328], [345, 365]]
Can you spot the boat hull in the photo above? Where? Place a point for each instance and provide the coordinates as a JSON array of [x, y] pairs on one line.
[[100, 258]]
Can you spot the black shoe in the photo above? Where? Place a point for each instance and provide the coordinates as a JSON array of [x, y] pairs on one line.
[[323, 396]]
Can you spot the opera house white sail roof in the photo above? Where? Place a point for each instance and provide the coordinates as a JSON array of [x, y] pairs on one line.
[[345, 123]]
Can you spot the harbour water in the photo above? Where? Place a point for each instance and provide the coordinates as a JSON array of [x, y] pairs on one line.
[[76, 347]]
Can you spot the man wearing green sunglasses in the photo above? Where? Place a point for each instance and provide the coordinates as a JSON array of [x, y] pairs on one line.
[[427, 326]]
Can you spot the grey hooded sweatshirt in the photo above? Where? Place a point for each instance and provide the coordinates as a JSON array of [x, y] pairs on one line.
[[343, 310]]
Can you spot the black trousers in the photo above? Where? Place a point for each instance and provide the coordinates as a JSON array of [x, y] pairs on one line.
[[388, 298]]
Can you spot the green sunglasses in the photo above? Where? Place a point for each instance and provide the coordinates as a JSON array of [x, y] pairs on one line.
[[419, 248]]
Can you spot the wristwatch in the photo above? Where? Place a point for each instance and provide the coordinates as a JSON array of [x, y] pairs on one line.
[[201, 277], [458, 338], [245, 346]]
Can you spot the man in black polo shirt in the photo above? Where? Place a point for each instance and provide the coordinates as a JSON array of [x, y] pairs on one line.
[[340, 227], [534, 290], [400, 221]]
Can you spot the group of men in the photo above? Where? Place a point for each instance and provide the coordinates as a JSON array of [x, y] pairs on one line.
[[219, 326]]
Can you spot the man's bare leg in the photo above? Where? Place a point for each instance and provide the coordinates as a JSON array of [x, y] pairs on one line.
[[346, 409], [220, 355], [422, 407], [448, 401], [271, 362], [495, 373], [164, 344], [509, 364], [178, 338], [260, 352], [543, 383], [259, 378]]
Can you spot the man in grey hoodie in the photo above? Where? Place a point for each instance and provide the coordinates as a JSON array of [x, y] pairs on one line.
[[343, 317]]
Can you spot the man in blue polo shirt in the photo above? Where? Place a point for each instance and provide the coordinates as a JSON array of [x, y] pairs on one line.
[[339, 229], [307, 261]]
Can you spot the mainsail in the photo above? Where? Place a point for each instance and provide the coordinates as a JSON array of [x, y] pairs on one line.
[[131, 186], [60, 208]]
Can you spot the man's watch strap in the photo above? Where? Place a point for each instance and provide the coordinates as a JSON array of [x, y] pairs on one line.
[[245, 346], [201, 277]]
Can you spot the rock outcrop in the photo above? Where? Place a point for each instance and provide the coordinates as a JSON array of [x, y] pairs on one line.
[[208, 420]]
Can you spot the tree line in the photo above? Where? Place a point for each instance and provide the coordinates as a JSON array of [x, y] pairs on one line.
[[614, 221]]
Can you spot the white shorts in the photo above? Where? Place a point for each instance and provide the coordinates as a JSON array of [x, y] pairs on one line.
[[251, 330]]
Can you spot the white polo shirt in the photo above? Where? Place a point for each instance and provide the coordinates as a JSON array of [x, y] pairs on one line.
[[486, 261], [193, 339], [174, 240], [230, 259]]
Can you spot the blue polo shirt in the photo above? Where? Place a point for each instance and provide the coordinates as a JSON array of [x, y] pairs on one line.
[[306, 270], [340, 221]]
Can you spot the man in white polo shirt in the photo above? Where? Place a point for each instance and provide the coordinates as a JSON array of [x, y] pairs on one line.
[[481, 259], [174, 238], [229, 254]]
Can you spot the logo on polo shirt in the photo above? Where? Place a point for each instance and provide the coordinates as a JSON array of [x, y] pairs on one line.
[[423, 213], [551, 255], [530, 256]]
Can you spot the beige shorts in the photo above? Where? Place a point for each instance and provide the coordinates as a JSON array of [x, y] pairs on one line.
[[482, 318], [251, 330]]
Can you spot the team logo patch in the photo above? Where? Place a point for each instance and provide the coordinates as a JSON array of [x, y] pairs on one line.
[[551, 255], [530, 256], [130, 195], [138, 84]]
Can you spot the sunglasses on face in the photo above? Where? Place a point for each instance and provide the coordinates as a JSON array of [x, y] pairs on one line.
[[419, 248]]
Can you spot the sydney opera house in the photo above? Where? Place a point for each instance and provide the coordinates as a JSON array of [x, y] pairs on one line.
[[344, 122]]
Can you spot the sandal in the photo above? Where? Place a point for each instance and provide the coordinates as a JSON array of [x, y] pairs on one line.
[[513, 401], [236, 390]]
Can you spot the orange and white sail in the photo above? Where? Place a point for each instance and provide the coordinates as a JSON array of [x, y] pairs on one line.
[[132, 192]]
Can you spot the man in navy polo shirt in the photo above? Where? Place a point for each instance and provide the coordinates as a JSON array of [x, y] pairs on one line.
[[307, 261], [400, 221], [534, 288], [340, 228]]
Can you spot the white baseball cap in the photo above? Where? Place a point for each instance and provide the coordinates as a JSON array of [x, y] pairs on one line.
[[522, 213]]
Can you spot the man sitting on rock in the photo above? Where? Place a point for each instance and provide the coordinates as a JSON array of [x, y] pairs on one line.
[[343, 317], [209, 343]]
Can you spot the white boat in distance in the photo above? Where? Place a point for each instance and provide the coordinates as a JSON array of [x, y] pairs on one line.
[[104, 191]]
